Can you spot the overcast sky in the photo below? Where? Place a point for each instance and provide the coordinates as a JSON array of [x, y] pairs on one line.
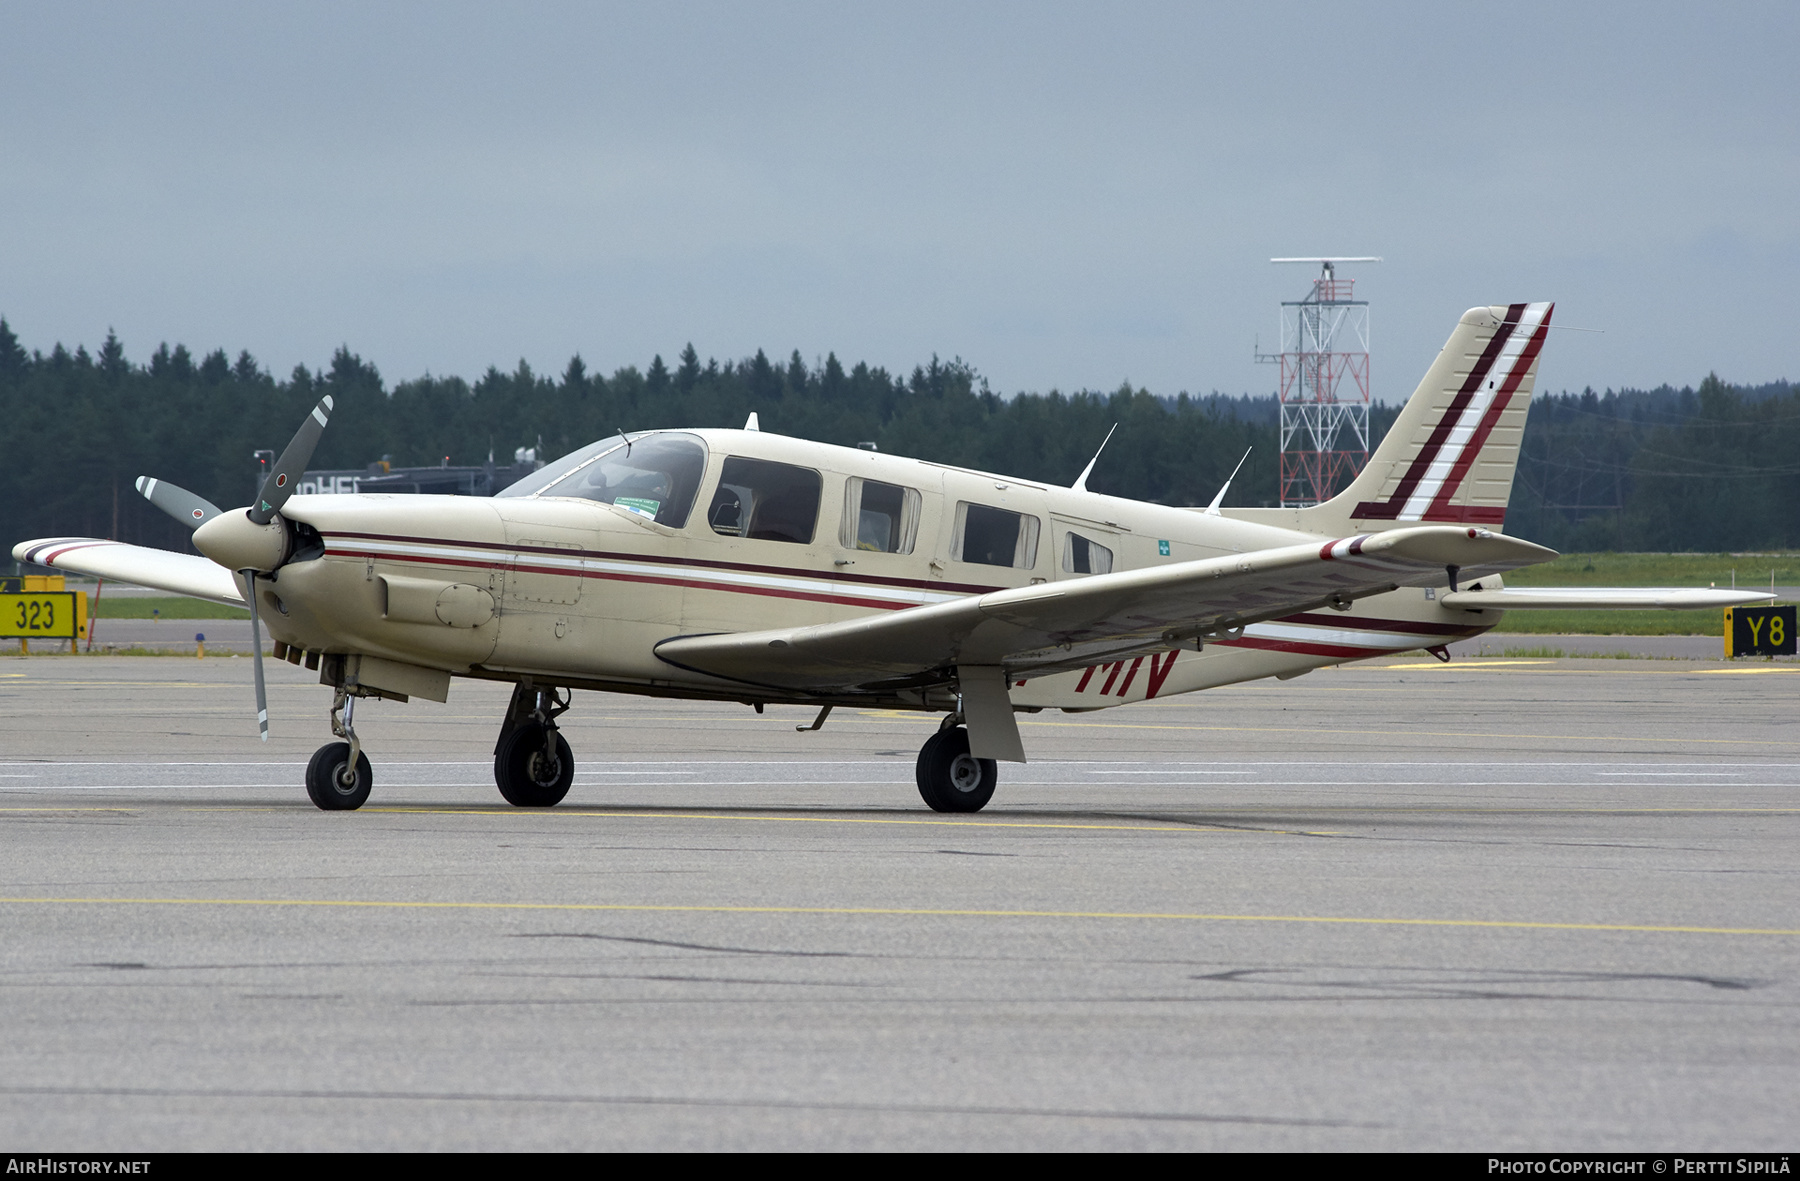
[[1065, 196]]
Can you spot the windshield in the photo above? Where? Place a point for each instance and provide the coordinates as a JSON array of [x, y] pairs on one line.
[[550, 473], [654, 476]]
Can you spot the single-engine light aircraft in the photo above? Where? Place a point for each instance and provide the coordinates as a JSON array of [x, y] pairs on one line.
[[741, 565]]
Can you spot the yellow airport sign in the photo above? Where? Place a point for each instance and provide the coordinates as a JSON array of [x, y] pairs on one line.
[[47, 615], [1759, 631]]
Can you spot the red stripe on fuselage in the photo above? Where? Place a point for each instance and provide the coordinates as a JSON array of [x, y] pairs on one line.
[[660, 580], [1305, 648], [704, 563]]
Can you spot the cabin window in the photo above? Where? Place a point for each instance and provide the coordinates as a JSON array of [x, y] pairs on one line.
[[655, 476], [1082, 556], [883, 518], [994, 536], [765, 501]]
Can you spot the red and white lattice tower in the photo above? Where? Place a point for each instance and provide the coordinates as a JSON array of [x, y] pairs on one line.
[[1324, 419]]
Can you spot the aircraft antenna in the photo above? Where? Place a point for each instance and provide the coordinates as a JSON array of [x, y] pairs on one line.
[[1080, 484], [1324, 423], [1213, 508]]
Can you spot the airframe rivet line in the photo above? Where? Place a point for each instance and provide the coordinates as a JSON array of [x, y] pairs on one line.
[[906, 912]]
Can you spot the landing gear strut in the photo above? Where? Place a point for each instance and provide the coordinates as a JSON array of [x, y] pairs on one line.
[[533, 765], [338, 778], [950, 778]]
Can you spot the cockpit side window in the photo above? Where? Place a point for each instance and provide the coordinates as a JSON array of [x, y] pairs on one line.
[[655, 476], [883, 518], [765, 501]]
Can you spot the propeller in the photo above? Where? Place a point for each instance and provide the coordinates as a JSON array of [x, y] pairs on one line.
[[192, 511], [251, 543], [285, 476], [262, 692]]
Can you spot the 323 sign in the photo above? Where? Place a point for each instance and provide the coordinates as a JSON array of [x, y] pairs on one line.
[[1759, 631], [51, 615]]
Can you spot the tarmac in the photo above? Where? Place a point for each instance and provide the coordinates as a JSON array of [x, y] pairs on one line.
[[1504, 904]]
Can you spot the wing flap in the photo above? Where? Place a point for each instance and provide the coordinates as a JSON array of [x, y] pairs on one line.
[[1043, 628], [180, 574], [1600, 598]]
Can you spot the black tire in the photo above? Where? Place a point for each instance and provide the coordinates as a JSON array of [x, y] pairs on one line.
[[325, 778], [950, 778], [521, 771]]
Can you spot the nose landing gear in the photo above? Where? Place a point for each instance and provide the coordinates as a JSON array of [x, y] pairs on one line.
[[338, 778], [533, 765]]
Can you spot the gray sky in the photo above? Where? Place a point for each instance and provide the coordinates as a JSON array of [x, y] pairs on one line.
[[1064, 195]]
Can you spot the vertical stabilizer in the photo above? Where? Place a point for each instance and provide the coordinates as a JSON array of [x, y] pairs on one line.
[[1451, 454]]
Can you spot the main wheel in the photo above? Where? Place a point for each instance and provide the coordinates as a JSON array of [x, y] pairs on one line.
[[527, 779], [330, 782], [950, 778]]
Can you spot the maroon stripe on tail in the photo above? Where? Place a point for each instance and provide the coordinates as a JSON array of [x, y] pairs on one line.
[[1441, 509], [1389, 509]]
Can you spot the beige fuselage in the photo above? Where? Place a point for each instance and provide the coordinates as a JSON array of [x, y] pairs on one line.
[[578, 593]]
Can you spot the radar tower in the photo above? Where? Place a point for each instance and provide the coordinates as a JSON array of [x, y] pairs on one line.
[[1324, 421]]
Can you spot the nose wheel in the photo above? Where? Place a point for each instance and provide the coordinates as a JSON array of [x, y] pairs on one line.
[[337, 782], [338, 778], [950, 778], [533, 765]]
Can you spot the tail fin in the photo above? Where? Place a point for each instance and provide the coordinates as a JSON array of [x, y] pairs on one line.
[[1450, 455]]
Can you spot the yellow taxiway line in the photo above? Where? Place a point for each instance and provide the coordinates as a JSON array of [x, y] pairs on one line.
[[1372, 733], [1480, 665], [907, 912]]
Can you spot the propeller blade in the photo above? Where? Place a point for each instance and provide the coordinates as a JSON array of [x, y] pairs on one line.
[[192, 511], [285, 476], [262, 693]]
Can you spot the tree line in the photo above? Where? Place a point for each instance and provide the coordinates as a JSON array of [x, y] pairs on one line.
[[1710, 469], [80, 427]]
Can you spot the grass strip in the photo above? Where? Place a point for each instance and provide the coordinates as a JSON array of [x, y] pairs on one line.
[[160, 607]]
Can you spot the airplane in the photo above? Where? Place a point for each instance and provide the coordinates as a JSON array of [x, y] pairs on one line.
[[746, 566]]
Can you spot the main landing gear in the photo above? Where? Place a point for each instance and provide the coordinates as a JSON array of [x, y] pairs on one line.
[[338, 778], [950, 778], [533, 765]]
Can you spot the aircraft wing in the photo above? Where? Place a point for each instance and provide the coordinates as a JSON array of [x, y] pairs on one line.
[[180, 574], [1064, 625], [1600, 598]]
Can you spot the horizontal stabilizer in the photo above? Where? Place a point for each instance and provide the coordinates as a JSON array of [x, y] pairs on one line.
[[1600, 598], [179, 574]]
